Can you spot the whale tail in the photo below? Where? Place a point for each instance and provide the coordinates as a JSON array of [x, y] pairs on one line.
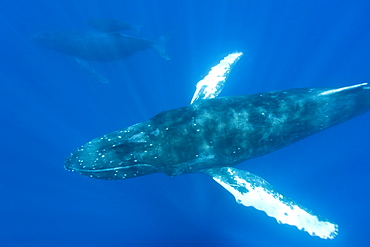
[[160, 46]]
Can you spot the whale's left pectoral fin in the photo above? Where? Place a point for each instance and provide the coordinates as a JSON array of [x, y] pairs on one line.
[[213, 83], [251, 190]]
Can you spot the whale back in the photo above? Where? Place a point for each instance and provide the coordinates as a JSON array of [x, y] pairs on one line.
[[218, 132]]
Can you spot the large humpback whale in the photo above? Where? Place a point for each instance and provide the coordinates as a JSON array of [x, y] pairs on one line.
[[97, 46], [212, 135]]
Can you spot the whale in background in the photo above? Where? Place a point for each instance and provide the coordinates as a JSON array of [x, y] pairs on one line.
[[98, 46]]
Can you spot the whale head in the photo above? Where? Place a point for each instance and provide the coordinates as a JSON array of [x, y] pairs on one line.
[[118, 155]]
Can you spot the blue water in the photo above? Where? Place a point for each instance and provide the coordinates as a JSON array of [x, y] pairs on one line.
[[49, 106]]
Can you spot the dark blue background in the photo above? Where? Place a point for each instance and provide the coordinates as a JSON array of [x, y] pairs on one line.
[[49, 106]]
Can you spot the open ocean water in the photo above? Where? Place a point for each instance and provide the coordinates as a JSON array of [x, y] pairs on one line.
[[49, 106]]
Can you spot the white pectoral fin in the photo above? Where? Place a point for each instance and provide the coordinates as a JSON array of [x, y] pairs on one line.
[[213, 83], [251, 190]]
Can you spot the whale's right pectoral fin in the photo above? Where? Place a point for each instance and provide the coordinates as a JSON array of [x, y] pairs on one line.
[[251, 190]]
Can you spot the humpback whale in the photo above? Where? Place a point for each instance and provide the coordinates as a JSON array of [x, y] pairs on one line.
[[214, 134], [97, 46], [111, 25]]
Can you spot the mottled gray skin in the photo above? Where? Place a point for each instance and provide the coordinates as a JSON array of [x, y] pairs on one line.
[[217, 132], [95, 45]]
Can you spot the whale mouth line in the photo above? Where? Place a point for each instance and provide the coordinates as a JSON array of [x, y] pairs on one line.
[[108, 169]]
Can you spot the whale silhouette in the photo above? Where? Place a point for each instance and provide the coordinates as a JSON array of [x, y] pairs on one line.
[[213, 135], [98, 46]]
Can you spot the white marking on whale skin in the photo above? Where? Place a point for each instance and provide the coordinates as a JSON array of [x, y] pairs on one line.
[[342, 89], [112, 168], [155, 132], [139, 137]]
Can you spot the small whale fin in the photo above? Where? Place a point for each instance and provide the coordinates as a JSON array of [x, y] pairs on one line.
[[91, 70], [136, 29], [251, 190], [160, 46]]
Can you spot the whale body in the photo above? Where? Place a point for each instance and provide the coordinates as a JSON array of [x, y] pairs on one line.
[[97, 46], [219, 132]]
